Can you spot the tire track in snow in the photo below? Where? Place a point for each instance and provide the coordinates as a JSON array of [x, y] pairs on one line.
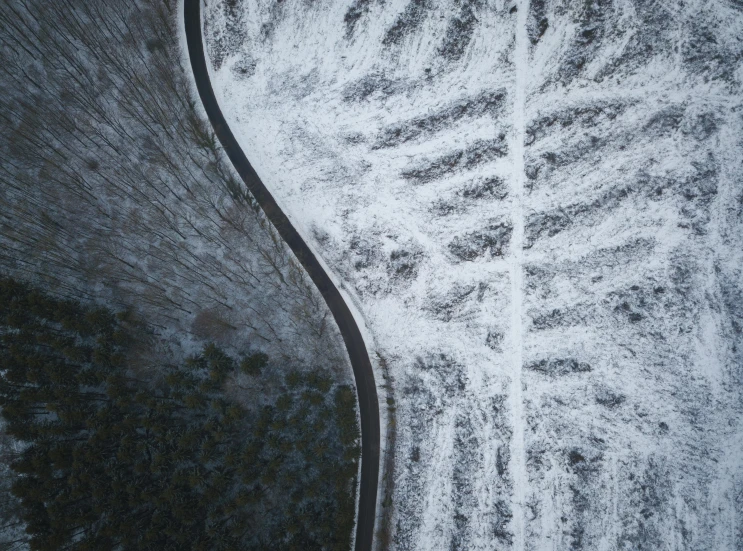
[[518, 453]]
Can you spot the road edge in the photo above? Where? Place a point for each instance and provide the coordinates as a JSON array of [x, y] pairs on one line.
[[352, 336]]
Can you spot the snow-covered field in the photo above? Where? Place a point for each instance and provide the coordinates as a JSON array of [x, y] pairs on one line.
[[539, 211]]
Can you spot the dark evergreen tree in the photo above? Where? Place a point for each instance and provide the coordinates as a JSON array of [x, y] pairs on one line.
[[111, 460]]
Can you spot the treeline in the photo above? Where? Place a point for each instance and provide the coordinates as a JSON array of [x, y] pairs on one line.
[[112, 457], [113, 187]]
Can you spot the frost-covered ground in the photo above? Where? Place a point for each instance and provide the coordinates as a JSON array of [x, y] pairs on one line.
[[539, 210]]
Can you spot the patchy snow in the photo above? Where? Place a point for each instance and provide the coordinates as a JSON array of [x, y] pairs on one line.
[[538, 209]]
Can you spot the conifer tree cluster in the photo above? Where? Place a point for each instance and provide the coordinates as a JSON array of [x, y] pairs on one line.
[[112, 458]]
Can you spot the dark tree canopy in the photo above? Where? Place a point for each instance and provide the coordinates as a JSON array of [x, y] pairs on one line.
[[114, 459]]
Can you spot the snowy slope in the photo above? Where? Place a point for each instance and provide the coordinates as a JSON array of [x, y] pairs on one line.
[[539, 209]]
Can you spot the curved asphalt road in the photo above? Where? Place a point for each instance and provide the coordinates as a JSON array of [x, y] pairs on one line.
[[362, 369]]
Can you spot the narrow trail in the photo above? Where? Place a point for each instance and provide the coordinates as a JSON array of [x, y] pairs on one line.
[[362, 368], [518, 451]]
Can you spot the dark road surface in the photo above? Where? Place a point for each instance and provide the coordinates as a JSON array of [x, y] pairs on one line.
[[362, 369]]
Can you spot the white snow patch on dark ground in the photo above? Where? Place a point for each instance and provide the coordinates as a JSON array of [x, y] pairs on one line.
[[562, 313]]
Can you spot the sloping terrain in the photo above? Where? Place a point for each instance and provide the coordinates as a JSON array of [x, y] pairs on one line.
[[114, 188], [538, 208]]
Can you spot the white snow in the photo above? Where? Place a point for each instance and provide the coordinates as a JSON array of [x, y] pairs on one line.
[[581, 390]]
